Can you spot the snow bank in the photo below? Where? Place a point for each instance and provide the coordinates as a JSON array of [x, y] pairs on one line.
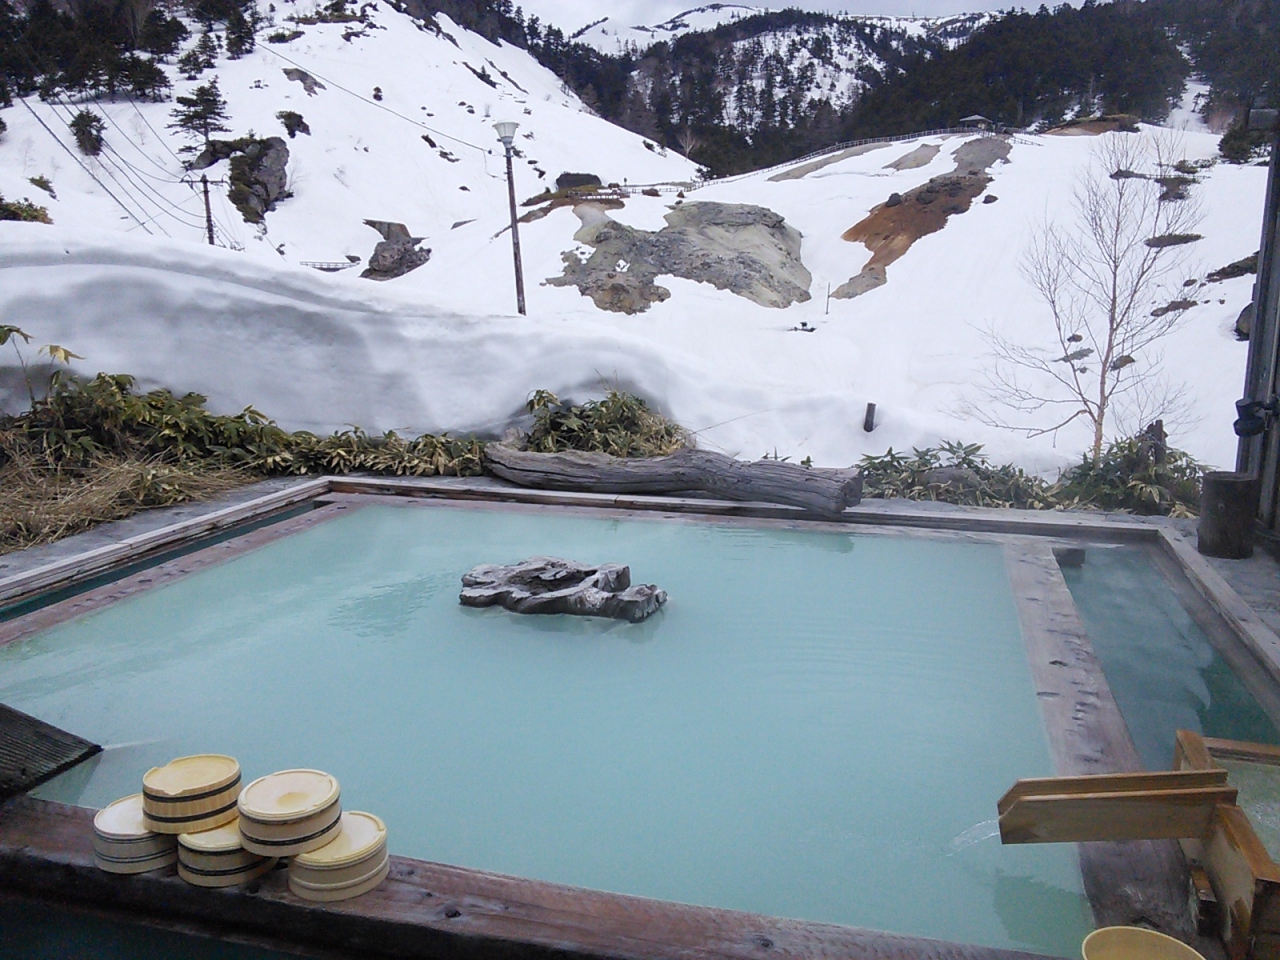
[[439, 349]]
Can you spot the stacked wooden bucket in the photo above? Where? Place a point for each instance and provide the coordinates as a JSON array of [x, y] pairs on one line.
[[193, 811]]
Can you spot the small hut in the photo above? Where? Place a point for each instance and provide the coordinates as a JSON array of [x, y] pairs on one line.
[[977, 122]]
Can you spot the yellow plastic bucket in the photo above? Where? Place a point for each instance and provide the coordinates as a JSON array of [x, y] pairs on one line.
[[1135, 943]]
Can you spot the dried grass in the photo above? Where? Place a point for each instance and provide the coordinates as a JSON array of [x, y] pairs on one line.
[[42, 503]]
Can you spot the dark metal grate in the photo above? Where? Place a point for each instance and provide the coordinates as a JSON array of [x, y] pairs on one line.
[[32, 751]]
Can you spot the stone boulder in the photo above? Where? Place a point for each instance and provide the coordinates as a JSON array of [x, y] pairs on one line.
[[575, 181], [552, 585], [259, 177], [259, 172], [397, 254]]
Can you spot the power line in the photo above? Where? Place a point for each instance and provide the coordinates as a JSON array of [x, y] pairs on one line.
[[79, 163], [146, 192], [163, 142], [92, 176], [107, 167], [154, 162], [382, 106]]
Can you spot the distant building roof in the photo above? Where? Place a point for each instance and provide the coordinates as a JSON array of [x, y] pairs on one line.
[[975, 118]]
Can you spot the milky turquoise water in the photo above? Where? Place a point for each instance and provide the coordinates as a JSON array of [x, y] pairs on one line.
[[1163, 672], [817, 725]]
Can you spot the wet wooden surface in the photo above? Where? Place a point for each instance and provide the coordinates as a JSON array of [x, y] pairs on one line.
[[431, 910], [1139, 882], [32, 751], [82, 603], [25, 573]]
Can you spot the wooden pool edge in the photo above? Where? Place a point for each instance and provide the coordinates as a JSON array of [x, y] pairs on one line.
[[429, 910], [68, 571], [1139, 882], [570, 922]]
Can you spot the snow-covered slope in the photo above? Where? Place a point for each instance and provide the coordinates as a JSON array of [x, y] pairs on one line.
[[830, 61], [440, 348], [425, 154]]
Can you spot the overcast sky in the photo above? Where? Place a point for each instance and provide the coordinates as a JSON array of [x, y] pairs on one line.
[[571, 14]]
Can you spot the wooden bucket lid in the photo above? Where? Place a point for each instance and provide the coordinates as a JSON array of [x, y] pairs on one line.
[[122, 820], [190, 778], [362, 835], [288, 795], [223, 839]]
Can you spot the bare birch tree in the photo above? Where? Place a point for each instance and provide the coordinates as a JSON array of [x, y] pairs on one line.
[[1112, 280], [687, 140]]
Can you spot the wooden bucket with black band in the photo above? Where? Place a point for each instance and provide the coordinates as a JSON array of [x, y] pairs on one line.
[[291, 812], [355, 862], [191, 794], [217, 858], [123, 844]]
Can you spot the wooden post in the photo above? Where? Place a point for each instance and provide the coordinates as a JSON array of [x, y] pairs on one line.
[[515, 232], [1260, 453], [1228, 504], [208, 212], [869, 421]]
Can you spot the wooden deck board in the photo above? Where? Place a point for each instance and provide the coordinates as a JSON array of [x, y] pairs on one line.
[[431, 910], [32, 751], [1142, 882]]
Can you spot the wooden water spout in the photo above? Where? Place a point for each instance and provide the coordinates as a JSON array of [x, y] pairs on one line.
[[1235, 879], [1169, 805]]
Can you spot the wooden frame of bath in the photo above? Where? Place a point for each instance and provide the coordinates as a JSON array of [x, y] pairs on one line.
[[439, 911], [1246, 880]]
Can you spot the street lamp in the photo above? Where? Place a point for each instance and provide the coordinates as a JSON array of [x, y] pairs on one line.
[[506, 133]]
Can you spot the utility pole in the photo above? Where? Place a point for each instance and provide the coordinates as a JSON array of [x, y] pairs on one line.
[[506, 133], [208, 212]]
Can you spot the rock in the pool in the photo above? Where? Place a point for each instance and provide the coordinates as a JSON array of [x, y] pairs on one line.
[[552, 585]]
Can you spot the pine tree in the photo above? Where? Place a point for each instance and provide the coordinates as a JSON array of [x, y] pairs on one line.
[[201, 115], [240, 32], [200, 57], [86, 126]]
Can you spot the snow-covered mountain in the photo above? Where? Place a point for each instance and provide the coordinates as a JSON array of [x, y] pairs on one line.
[[612, 35], [733, 331], [772, 67]]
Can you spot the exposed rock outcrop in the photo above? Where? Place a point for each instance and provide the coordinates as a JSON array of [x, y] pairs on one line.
[[397, 254], [309, 83], [745, 249], [259, 172], [890, 229], [259, 178], [552, 585]]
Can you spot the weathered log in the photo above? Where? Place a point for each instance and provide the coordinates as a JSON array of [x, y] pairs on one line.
[[817, 489], [1228, 505]]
